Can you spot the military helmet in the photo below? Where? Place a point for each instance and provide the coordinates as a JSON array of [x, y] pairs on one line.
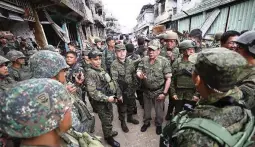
[[217, 36], [46, 64], [248, 39], [218, 67], [186, 44], [3, 60], [171, 35], [33, 107], [13, 55], [96, 40]]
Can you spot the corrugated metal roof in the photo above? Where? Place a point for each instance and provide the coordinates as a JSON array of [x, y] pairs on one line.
[[242, 16], [220, 22], [197, 21], [183, 25]]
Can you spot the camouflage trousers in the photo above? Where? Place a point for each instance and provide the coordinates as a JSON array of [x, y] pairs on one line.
[[127, 107], [105, 114], [150, 100]]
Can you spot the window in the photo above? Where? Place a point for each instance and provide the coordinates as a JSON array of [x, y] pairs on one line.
[[163, 7], [174, 10]]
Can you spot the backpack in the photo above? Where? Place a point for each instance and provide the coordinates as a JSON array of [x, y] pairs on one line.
[[210, 128]]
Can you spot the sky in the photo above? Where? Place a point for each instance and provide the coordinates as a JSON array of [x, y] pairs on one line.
[[126, 11]]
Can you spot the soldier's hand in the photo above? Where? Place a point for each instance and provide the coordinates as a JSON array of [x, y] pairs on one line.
[[195, 98], [79, 78], [111, 99], [175, 97], [71, 88], [141, 75], [161, 97], [120, 99]]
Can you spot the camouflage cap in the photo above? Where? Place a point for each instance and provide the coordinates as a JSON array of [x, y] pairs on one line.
[[96, 40], [186, 44], [154, 44], [13, 55], [120, 47], [33, 107], [218, 67], [94, 54], [46, 64], [50, 48], [3, 60]]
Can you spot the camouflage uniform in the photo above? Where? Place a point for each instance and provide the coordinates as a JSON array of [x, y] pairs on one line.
[[182, 84], [100, 86], [107, 58], [219, 69], [18, 74], [35, 99], [47, 64], [154, 84], [175, 52], [5, 81], [118, 71]]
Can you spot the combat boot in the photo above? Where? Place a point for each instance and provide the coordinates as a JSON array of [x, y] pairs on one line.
[[124, 127], [112, 142], [114, 133], [130, 119]]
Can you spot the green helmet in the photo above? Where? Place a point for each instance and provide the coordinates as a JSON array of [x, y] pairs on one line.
[[171, 35], [46, 64], [33, 107], [13, 55], [96, 40], [186, 44], [3, 60]]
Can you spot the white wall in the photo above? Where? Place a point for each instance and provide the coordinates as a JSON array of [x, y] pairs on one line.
[[182, 5]]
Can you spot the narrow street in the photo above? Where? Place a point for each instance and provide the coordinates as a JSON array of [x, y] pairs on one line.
[[134, 138]]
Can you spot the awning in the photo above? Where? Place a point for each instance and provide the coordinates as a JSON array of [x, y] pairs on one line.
[[10, 7], [60, 32]]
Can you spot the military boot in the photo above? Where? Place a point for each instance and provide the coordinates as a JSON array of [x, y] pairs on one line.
[[124, 126], [114, 133], [130, 119], [112, 142]]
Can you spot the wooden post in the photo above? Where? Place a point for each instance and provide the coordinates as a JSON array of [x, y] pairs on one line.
[[39, 32]]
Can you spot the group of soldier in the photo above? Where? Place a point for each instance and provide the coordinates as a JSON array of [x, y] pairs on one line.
[[44, 95]]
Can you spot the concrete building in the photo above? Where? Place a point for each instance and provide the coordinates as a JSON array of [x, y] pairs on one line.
[[145, 21], [112, 26]]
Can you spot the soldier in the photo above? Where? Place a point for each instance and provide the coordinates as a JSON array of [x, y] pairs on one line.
[[5, 80], [161, 38], [170, 51], [246, 80], [228, 39], [118, 71], [98, 44], [102, 90], [219, 120], [141, 50], [183, 90], [72, 47], [196, 36], [216, 41], [18, 71], [48, 64], [42, 112], [108, 55], [155, 71]]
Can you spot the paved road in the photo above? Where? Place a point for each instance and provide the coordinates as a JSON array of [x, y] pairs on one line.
[[134, 138]]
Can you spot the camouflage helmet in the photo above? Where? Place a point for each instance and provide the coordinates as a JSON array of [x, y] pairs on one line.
[[96, 40], [13, 55], [46, 64], [248, 39], [3, 60], [217, 36], [186, 44], [218, 67], [171, 35], [33, 107]]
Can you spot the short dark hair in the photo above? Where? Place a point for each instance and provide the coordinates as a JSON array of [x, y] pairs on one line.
[[130, 47], [71, 43], [226, 35], [140, 41], [72, 52], [109, 39]]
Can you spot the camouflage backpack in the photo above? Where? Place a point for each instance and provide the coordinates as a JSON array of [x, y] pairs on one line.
[[208, 127]]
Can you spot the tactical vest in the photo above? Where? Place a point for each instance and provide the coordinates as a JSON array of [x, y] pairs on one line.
[[184, 76], [109, 87], [213, 130]]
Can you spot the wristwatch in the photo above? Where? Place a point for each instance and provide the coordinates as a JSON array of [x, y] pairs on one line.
[[165, 94]]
